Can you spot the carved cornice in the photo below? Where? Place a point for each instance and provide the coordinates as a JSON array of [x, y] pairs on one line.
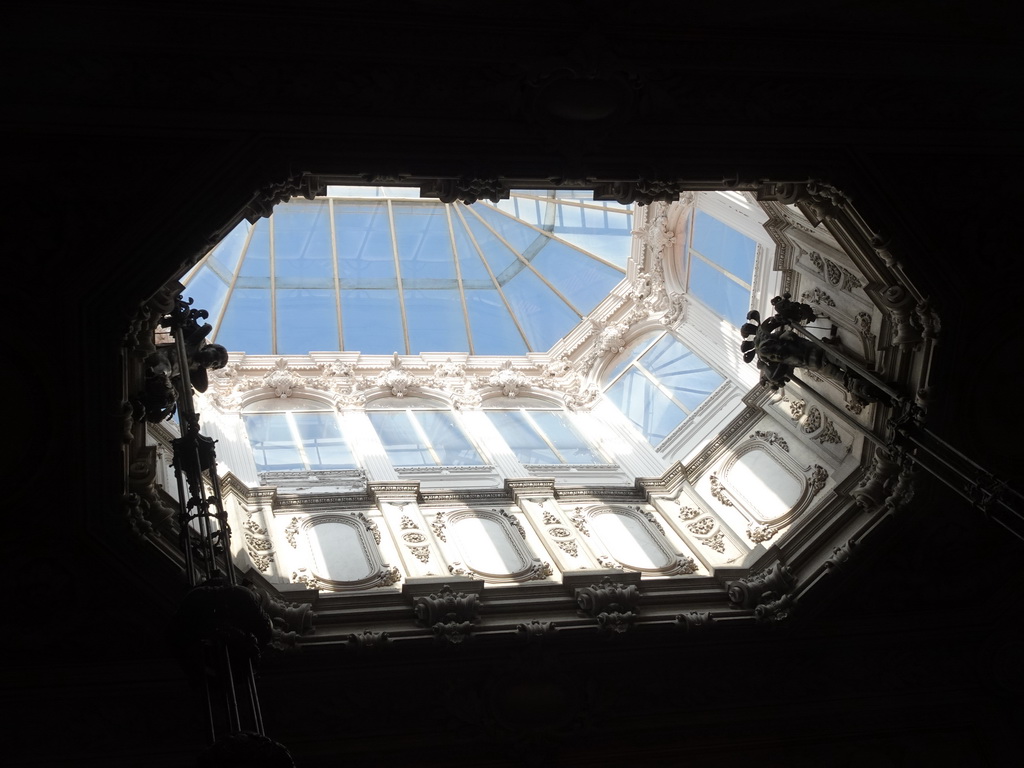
[[263, 201], [465, 189], [607, 596], [768, 585], [446, 605]]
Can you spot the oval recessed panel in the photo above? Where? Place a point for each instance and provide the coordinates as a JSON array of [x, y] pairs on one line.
[[629, 541], [768, 487], [338, 552], [486, 546]]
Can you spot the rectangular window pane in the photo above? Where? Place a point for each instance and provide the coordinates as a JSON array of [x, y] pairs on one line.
[[450, 445], [723, 245], [402, 442], [567, 441], [273, 446], [645, 405], [522, 438], [322, 441]]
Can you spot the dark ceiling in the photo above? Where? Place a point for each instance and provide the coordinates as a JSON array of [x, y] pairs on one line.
[[133, 134]]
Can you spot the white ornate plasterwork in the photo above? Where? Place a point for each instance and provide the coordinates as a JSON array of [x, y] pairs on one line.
[[772, 438], [508, 379], [358, 536], [258, 544], [656, 233], [836, 274], [507, 537], [281, 380], [396, 379], [291, 532], [647, 534]]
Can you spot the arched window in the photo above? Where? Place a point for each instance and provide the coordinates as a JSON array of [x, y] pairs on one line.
[[658, 382]]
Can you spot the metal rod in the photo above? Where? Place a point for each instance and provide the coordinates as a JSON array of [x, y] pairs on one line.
[[852, 364], [233, 714], [183, 534], [206, 692], [254, 697]]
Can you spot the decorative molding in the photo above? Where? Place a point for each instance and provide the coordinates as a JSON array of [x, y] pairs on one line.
[[829, 433], [836, 274], [817, 479], [371, 526], [641, 191], [688, 513], [262, 203], [694, 620], [536, 630], [510, 380], [797, 408], [258, 544], [465, 189], [813, 421], [452, 632], [396, 379], [819, 297], [446, 605], [841, 555], [615, 622], [291, 532], [607, 596], [763, 586], [649, 516], [719, 492], [512, 521], [367, 640], [579, 520], [772, 438], [702, 526], [439, 524], [715, 541], [758, 532], [568, 546]]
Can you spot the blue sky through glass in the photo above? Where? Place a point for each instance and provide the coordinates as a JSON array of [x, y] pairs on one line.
[[400, 274]]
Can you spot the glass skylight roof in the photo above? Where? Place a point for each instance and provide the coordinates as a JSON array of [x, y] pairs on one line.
[[377, 271]]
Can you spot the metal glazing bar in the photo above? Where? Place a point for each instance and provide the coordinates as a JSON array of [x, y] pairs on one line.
[[528, 264], [423, 436], [490, 272], [398, 276], [337, 277], [542, 435], [234, 280], [553, 201], [720, 269], [273, 289], [458, 276]]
